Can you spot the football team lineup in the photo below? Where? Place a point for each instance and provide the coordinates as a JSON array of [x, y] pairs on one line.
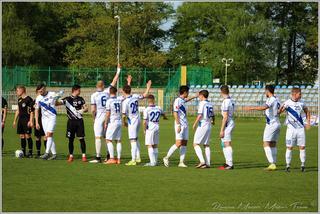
[[111, 113]]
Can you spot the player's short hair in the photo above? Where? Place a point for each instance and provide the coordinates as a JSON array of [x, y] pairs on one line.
[[39, 86], [100, 84], [270, 88], [183, 89], [126, 89], [204, 93], [295, 90], [150, 97], [75, 87], [113, 90], [21, 87], [224, 89]]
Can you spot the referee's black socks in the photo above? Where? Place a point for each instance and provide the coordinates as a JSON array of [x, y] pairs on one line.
[[23, 145], [38, 145], [30, 145], [83, 145], [71, 147]]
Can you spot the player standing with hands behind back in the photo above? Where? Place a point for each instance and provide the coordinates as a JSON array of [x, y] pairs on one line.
[[295, 126]]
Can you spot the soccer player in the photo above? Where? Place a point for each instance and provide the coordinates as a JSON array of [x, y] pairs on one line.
[[151, 117], [39, 133], [98, 110], [75, 106], [295, 135], [130, 110], [46, 100], [113, 125], [272, 129], [25, 113], [203, 123], [227, 126], [180, 126], [4, 108]]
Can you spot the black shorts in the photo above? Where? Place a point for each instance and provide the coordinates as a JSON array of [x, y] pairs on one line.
[[22, 127], [39, 133], [75, 127]]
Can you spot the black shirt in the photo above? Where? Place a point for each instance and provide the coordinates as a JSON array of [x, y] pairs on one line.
[[4, 104], [25, 107], [72, 105]]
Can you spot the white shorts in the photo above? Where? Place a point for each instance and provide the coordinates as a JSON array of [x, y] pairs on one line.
[[271, 132], [48, 124], [114, 131], [295, 137], [202, 135], [184, 133], [133, 129], [228, 132], [98, 126], [152, 137]]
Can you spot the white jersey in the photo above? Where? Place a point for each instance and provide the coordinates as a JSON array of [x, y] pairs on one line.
[[271, 113], [99, 99], [295, 110], [152, 115], [47, 105], [130, 107], [206, 110], [179, 106], [113, 105], [228, 106]]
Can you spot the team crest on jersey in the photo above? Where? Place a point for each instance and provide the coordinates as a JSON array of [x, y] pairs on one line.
[[297, 108], [23, 105], [75, 103], [79, 102], [46, 99]]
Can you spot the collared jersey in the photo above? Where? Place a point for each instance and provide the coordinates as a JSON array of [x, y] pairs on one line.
[[73, 104], [25, 106]]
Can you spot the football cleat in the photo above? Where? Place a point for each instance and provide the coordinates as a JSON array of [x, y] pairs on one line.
[[225, 167], [111, 161], [288, 169], [96, 160], [53, 157], [138, 160], [166, 162], [118, 161], [205, 166], [271, 167], [131, 163], [45, 156], [200, 165], [182, 165], [84, 159], [303, 169], [70, 159], [150, 164]]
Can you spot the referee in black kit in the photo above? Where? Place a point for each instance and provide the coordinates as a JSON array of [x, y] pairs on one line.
[[75, 106]]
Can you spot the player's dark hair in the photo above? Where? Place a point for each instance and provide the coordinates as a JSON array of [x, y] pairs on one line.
[[127, 89], [270, 88], [295, 90], [183, 89], [204, 93], [150, 97], [41, 85], [113, 90], [75, 87], [21, 87], [224, 89]]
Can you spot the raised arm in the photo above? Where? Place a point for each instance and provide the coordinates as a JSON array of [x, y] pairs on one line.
[[191, 98], [149, 83], [129, 79], [116, 77]]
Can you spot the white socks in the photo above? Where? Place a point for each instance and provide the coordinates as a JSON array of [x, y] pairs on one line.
[[98, 147], [133, 150], [138, 150], [155, 152], [49, 144], [227, 151], [269, 155], [198, 151], [53, 148], [208, 154], [151, 155], [171, 150], [110, 149], [183, 150], [119, 148], [274, 154], [288, 156], [302, 156]]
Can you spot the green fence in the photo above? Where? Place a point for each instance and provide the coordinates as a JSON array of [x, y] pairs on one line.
[[86, 77]]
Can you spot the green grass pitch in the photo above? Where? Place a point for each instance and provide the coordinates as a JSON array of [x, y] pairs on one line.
[[37, 185]]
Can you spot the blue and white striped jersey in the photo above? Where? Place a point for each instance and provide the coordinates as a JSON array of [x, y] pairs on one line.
[[294, 110], [271, 113], [179, 106], [47, 104]]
